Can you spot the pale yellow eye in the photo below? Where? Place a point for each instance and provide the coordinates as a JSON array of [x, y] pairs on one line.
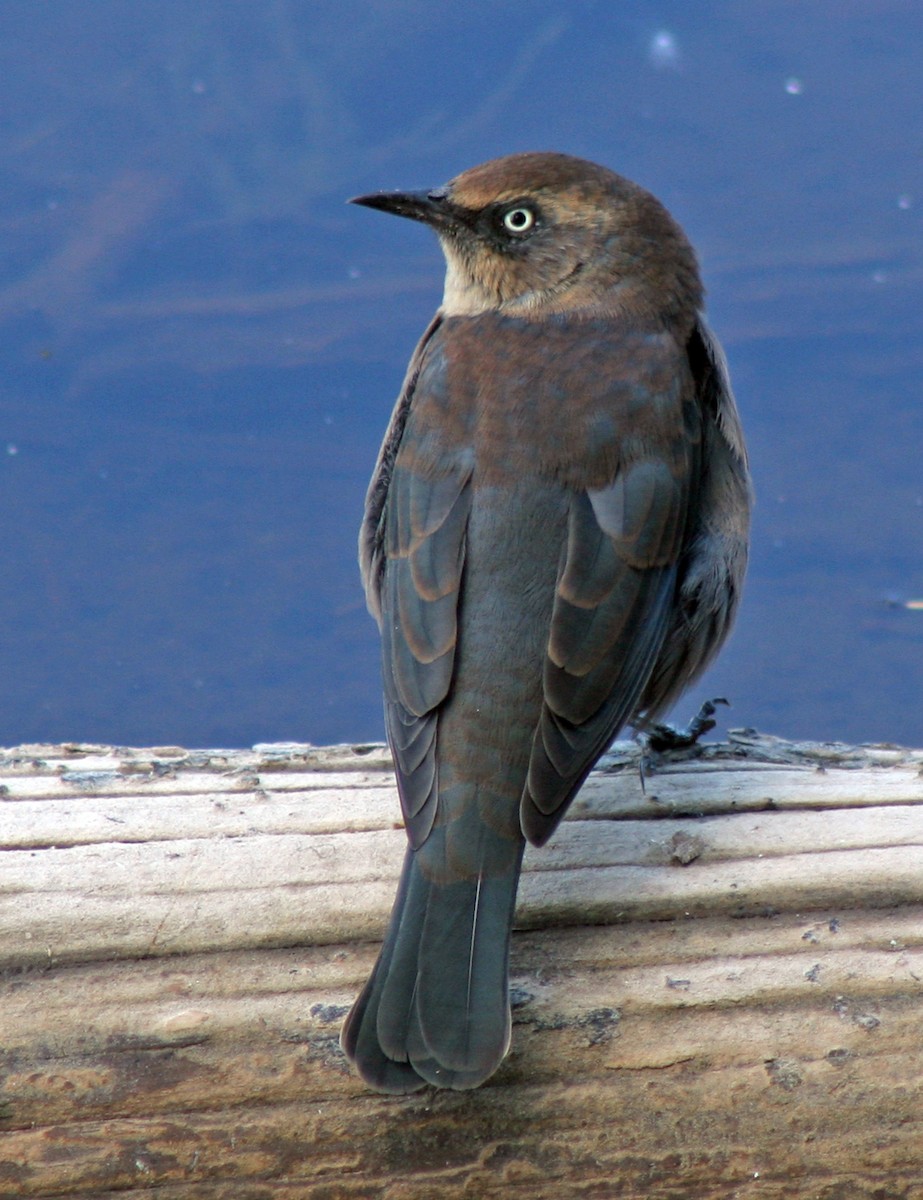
[[519, 220]]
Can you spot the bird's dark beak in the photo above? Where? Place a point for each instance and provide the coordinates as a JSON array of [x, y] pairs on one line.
[[433, 208]]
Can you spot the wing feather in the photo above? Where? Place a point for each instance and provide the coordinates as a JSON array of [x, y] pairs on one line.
[[715, 559], [612, 607], [414, 561]]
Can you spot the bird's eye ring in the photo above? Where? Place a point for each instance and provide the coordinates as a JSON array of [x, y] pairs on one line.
[[518, 220]]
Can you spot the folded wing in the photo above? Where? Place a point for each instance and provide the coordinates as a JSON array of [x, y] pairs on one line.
[[612, 607]]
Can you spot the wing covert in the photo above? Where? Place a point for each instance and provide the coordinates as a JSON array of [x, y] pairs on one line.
[[413, 562], [612, 607]]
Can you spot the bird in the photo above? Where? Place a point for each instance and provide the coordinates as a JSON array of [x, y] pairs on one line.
[[554, 543]]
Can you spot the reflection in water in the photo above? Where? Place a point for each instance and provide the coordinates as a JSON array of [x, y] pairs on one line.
[[200, 344]]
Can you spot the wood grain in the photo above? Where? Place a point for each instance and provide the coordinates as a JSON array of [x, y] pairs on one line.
[[718, 985]]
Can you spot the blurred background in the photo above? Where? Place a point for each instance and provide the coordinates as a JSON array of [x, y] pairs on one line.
[[200, 344]]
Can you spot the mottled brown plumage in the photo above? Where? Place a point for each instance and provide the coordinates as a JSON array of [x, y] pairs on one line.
[[554, 544]]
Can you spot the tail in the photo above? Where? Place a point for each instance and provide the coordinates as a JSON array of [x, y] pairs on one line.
[[436, 1007]]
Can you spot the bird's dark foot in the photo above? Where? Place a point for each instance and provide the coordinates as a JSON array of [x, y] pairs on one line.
[[665, 737]]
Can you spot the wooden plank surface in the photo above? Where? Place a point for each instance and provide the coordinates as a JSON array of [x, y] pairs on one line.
[[718, 985]]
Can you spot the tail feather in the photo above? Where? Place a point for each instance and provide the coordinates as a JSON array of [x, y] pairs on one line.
[[359, 1037], [397, 998], [462, 997], [436, 1008]]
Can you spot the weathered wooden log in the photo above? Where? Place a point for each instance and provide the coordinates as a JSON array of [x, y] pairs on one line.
[[717, 986]]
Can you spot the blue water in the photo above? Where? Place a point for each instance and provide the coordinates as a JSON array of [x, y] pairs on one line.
[[200, 343]]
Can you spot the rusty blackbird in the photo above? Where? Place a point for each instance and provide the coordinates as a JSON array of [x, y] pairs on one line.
[[554, 543]]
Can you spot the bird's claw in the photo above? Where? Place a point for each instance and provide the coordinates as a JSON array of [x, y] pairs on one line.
[[666, 737]]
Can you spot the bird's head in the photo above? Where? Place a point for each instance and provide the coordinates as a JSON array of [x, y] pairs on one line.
[[539, 233]]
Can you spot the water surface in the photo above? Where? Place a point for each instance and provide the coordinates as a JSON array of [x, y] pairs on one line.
[[200, 344]]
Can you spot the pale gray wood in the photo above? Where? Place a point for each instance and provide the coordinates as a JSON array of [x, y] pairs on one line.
[[125, 853], [720, 986]]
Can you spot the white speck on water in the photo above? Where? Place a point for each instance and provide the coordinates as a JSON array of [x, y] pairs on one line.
[[663, 50], [794, 86], [355, 273], [879, 277], [11, 449], [904, 201]]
